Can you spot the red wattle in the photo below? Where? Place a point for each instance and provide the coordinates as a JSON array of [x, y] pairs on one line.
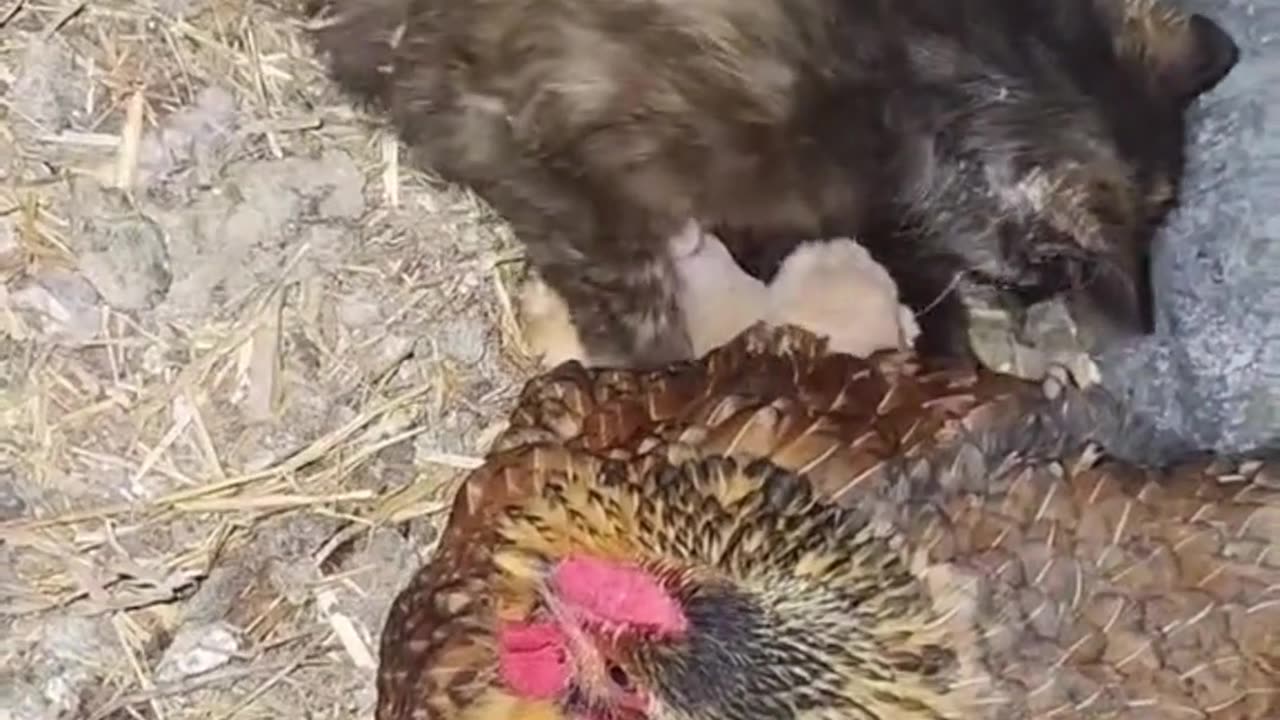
[[533, 659]]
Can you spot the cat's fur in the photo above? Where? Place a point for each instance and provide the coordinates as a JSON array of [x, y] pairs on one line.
[[985, 151]]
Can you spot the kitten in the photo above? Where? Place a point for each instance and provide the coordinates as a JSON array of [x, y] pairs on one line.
[[987, 152]]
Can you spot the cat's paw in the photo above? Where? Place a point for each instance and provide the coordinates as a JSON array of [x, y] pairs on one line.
[[548, 329], [834, 288], [718, 298]]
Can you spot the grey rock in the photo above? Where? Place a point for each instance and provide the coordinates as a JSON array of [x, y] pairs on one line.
[[12, 506], [129, 267], [49, 90], [195, 137], [60, 306], [121, 252], [198, 649], [46, 676]]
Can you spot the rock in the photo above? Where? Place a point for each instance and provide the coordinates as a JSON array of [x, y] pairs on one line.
[[196, 136], [58, 667], [12, 506], [59, 306], [197, 649], [121, 251], [49, 91]]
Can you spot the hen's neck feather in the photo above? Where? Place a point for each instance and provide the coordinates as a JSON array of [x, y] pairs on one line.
[[791, 600]]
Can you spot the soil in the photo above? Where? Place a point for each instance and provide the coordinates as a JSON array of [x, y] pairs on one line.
[[245, 354]]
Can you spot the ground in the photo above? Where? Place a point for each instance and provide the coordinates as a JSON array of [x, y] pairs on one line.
[[244, 355]]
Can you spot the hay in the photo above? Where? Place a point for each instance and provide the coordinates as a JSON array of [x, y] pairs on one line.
[[243, 347]]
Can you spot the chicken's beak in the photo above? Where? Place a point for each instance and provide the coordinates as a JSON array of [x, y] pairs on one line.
[[583, 654]]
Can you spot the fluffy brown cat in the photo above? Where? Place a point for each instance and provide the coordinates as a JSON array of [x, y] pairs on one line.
[[986, 152]]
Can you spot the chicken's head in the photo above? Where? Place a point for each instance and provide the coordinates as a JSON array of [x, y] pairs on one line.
[[699, 590], [574, 648]]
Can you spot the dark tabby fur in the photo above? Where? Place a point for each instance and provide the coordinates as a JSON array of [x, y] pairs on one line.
[[984, 150]]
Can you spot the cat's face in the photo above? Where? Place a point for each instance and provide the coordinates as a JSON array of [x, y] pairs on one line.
[[1172, 59], [1061, 173]]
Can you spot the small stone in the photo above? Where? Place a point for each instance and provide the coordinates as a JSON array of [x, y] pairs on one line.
[[198, 649], [10, 248], [12, 506], [121, 252], [132, 270], [61, 306], [48, 89]]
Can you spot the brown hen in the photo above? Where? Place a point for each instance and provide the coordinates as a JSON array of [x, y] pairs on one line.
[[777, 532]]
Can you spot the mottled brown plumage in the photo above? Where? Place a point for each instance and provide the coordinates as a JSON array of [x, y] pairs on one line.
[[987, 152], [851, 539]]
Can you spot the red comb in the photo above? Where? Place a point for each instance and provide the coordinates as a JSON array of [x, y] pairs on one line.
[[617, 594]]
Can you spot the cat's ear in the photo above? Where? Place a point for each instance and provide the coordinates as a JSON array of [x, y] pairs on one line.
[[1195, 58], [1184, 55]]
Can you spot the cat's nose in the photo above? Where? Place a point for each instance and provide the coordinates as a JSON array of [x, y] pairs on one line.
[[1113, 300]]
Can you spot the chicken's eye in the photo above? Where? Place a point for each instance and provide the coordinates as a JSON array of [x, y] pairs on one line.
[[619, 677]]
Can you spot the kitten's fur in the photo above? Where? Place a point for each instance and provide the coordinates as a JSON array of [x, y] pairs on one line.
[[982, 150]]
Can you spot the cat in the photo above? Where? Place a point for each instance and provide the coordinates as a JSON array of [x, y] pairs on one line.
[[988, 153]]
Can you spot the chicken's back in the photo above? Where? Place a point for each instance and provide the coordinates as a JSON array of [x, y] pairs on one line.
[[1103, 590]]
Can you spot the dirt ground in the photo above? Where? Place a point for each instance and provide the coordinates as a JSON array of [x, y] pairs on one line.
[[244, 354]]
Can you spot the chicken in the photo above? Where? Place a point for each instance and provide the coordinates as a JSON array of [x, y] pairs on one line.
[[776, 531]]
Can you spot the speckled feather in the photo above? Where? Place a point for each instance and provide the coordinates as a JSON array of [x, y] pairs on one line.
[[1032, 577]]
